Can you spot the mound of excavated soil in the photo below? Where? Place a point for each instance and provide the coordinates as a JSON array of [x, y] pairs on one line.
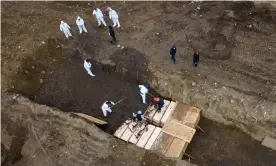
[[33, 134], [235, 83]]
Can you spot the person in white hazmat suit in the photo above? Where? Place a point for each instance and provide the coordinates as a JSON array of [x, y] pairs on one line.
[[114, 17], [99, 16], [143, 91], [106, 107], [64, 27], [87, 65], [80, 24]]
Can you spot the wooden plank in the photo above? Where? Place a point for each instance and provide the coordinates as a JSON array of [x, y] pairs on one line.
[[133, 139], [177, 148], [128, 132], [162, 142], [145, 136], [119, 132], [153, 137], [149, 114], [91, 118], [158, 115], [192, 117], [179, 130], [168, 112]]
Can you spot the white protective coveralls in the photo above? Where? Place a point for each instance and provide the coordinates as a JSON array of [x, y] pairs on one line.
[[64, 27], [143, 92], [87, 66], [114, 17], [105, 108], [80, 24], [99, 16]]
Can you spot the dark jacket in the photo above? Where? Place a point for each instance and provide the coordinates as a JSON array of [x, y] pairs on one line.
[[139, 117], [196, 57], [111, 31], [173, 50], [160, 103]]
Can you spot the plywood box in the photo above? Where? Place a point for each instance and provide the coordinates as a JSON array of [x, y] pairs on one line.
[[153, 137], [186, 115], [145, 136], [177, 148], [128, 132], [168, 112], [158, 115], [162, 142], [179, 112], [134, 139], [150, 112], [192, 117], [119, 132], [179, 130]]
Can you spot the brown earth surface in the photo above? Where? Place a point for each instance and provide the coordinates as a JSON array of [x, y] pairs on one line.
[[235, 83], [43, 136]]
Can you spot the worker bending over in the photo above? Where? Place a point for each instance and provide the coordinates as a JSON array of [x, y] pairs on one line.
[[158, 103], [143, 91], [138, 117], [106, 107]]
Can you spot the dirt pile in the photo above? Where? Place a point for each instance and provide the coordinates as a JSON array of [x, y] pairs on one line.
[[234, 84], [34, 134]]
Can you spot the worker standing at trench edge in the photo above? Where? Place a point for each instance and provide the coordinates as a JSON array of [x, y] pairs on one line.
[[196, 58], [143, 91], [172, 53], [106, 107], [111, 33]]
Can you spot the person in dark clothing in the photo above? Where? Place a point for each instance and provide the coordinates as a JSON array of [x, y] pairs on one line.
[[196, 58], [112, 34], [172, 53], [159, 103], [139, 116]]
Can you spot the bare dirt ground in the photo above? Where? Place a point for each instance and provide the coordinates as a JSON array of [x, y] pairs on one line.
[[235, 83], [40, 135], [227, 146], [70, 88]]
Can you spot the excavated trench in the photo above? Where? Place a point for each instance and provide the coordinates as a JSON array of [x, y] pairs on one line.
[[57, 78], [65, 84]]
